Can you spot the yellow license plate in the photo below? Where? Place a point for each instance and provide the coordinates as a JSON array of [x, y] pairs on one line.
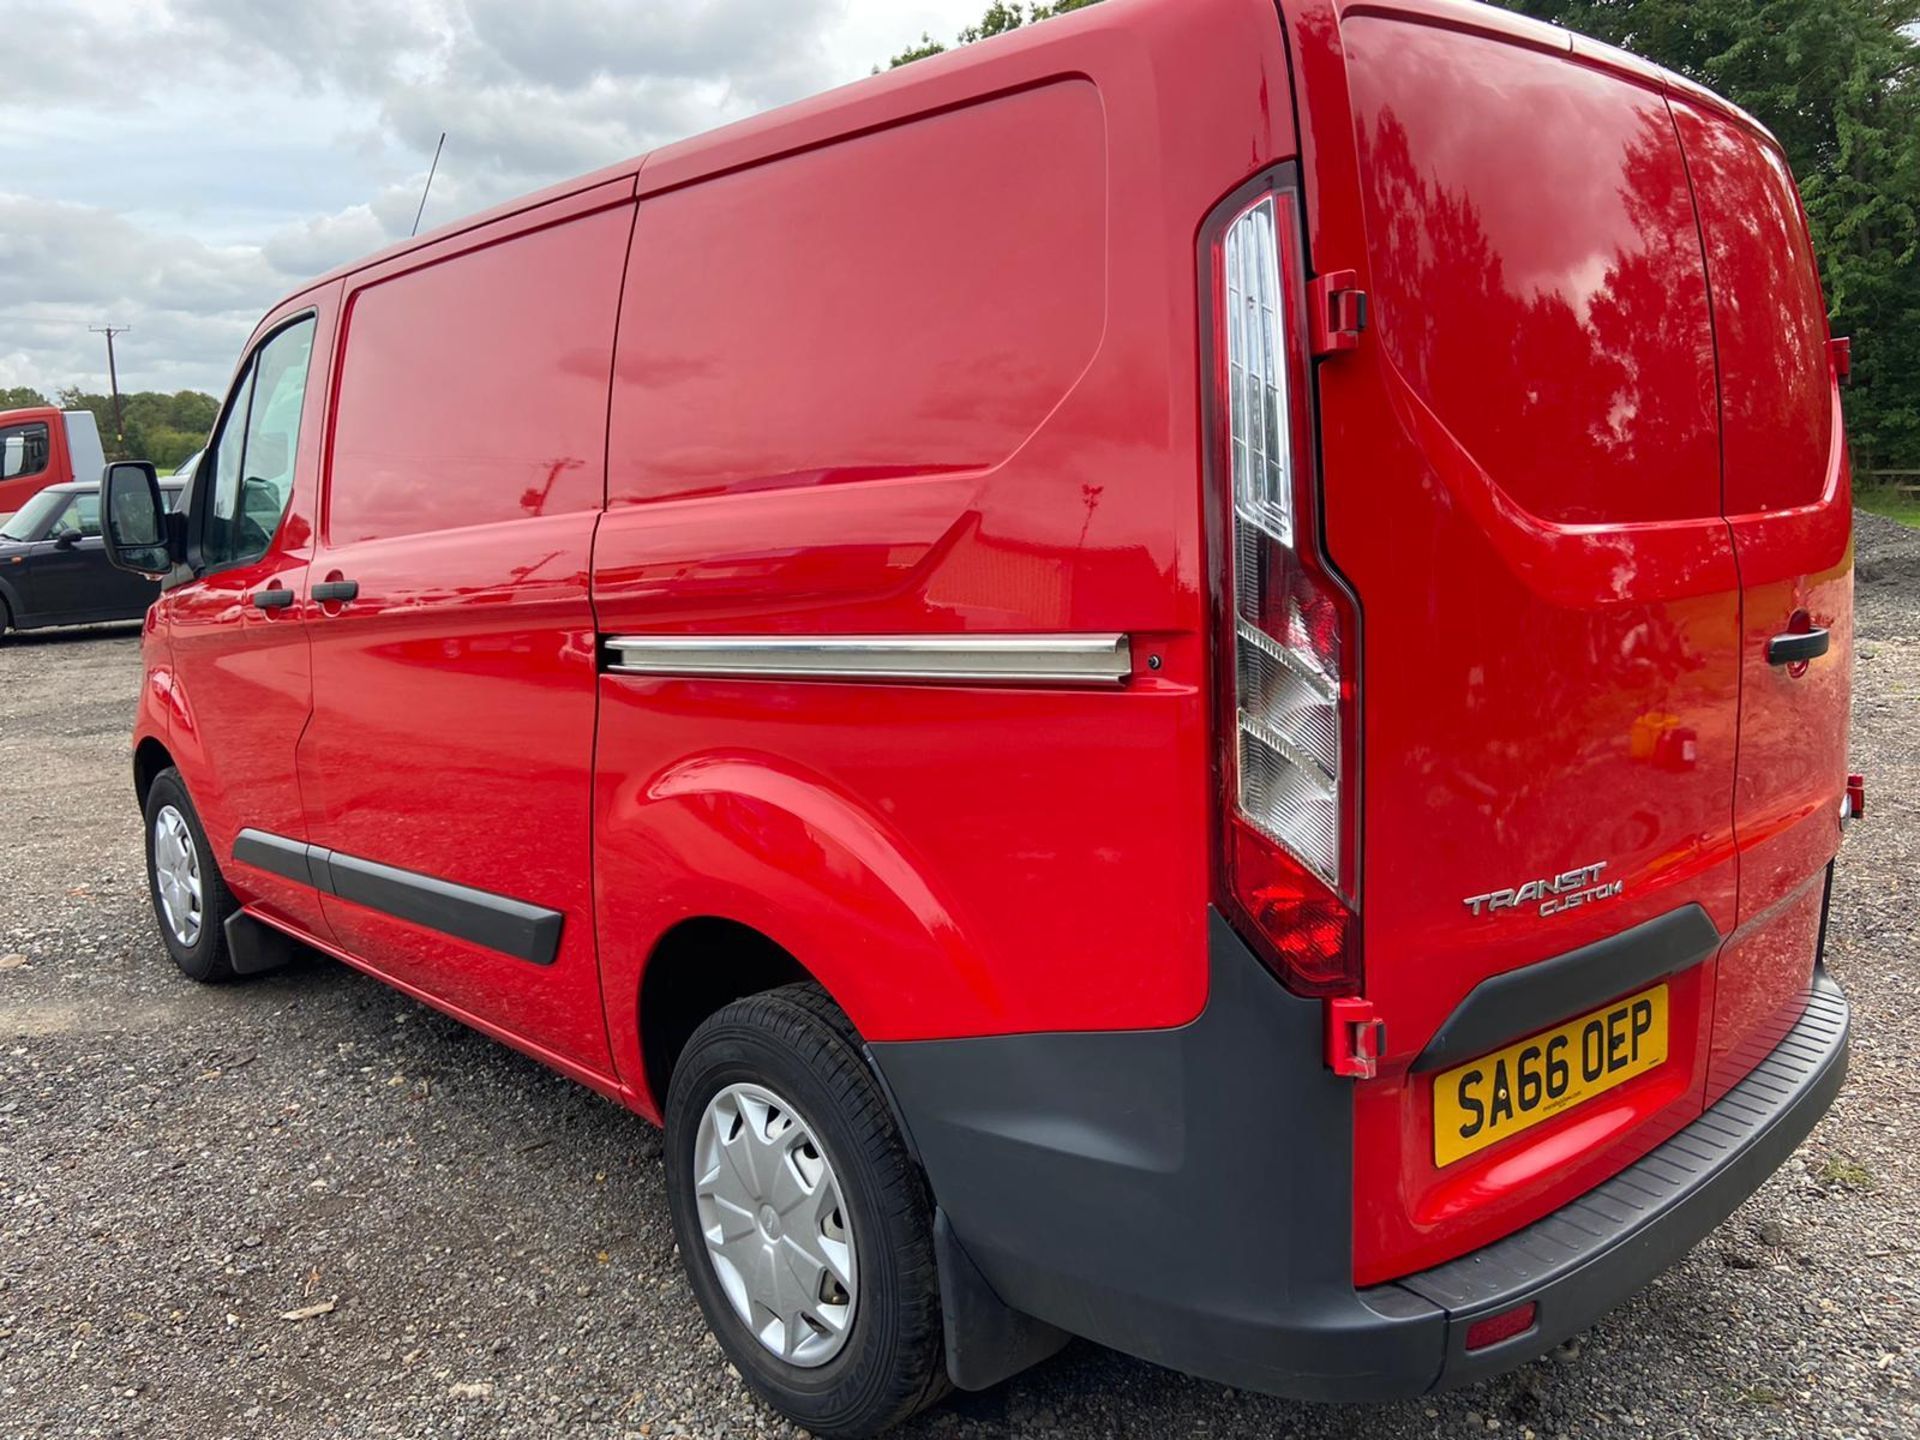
[[1486, 1100]]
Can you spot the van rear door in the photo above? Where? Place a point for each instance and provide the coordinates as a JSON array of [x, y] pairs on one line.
[[1521, 476], [1788, 498]]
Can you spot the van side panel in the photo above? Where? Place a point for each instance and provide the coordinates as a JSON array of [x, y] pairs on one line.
[[1521, 476], [86, 460], [1789, 502], [944, 335], [931, 377], [452, 730]]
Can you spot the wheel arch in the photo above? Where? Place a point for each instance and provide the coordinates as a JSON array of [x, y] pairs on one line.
[[700, 965], [150, 757], [763, 873]]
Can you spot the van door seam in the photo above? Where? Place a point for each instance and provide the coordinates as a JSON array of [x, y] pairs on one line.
[[630, 1089], [1739, 580]]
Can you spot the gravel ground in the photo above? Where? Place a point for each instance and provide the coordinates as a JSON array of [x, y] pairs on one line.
[[185, 1172]]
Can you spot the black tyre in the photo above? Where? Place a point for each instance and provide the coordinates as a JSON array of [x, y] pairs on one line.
[[805, 1228], [191, 901]]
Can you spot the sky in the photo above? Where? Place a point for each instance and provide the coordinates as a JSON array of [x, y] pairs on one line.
[[176, 166]]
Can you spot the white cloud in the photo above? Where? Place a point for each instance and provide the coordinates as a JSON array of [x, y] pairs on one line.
[[177, 165]]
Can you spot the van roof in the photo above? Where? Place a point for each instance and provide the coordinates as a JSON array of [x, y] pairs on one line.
[[946, 79], [861, 104]]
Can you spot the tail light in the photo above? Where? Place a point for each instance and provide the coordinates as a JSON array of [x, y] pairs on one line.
[[1286, 636]]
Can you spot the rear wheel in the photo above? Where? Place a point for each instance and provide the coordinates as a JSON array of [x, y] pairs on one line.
[[191, 901], [804, 1225]]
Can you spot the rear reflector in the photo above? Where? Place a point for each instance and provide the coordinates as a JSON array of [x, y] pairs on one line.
[[1497, 1329]]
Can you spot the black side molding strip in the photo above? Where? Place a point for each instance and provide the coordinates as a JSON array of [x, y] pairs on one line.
[[277, 855], [513, 927], [1520, 1002]]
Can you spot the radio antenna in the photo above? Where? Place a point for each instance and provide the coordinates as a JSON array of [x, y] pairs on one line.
[[428, 187]]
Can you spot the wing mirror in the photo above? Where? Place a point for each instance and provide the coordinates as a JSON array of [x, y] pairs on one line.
[[66, 540], [133, 520]]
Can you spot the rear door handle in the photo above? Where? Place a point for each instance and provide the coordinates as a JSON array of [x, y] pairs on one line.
[[336, 591], [274, 599], [1796, 647]]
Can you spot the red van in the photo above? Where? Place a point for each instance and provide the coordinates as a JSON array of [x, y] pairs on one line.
[[42, 446], [1182, 679]]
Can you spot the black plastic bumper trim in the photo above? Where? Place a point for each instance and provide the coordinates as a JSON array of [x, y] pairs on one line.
[[513, 927], [1186, 1195], [1593, 1253], [1524, 1001]]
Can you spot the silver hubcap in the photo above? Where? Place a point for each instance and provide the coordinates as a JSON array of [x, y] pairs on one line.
[[776, 1228], [176, 874]]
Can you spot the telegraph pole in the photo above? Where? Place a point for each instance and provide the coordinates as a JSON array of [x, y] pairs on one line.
[[113, 376]]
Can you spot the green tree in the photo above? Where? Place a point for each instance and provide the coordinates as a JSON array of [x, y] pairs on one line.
[[1001, 16], [20, 397], [1838, 81], [163, 428]]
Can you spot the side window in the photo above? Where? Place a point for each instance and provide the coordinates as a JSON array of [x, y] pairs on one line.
[[80, 517], [253, 457], [23, 450]]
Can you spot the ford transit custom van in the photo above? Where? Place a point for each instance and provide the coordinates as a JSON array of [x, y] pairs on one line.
[[1181, 679]]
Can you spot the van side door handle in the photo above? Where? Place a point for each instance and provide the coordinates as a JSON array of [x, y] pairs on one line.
[[1796, 647], [276, 598], [335, 592]]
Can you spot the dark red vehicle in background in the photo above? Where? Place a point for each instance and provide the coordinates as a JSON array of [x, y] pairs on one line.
[[1223, 733]]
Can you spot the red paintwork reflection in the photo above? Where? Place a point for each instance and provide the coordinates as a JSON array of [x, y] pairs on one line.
[[973, 410], [475, 390], [1523, 486], [925, 915], [787, 364], [1770, 320], [1789, 500], [452, 728]]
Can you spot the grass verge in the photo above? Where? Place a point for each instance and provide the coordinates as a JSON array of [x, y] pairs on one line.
[[1890, 501]]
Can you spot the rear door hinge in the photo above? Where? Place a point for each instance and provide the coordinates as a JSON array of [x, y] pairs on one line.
[[1337, 311], [1840, 354], [1356, 1037]]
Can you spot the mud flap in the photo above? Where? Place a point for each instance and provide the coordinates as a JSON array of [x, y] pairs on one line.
[[254, 947], [987, 1340]]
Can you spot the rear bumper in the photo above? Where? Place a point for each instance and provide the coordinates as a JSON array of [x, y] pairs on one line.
[[1186, 1195]]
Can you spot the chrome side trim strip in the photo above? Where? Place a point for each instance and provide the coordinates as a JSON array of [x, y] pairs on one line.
[[989, 659]]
